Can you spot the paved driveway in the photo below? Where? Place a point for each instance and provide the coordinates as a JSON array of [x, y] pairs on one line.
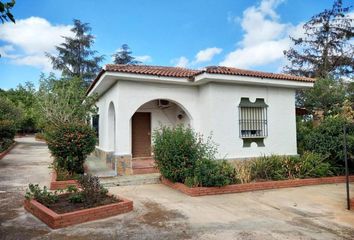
[[315, 212]]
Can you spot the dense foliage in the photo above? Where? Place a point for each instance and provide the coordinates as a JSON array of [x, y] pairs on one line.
[[182, 156], [70, 144], [63, 101], [325, 98], [75, 56], [290, 167], [327, 139], [24, 97], [211, 173], [10, 116]]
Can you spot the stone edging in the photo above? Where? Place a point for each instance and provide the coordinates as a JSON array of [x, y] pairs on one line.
[[55, 185], [55, 220], [254, 186], [4, 153]]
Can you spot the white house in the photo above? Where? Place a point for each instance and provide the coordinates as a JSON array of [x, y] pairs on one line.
[[248, 113]]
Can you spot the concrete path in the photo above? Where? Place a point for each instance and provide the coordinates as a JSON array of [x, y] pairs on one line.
[[315, 212]]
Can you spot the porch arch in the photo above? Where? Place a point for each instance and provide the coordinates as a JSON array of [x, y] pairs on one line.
[[111, 129]]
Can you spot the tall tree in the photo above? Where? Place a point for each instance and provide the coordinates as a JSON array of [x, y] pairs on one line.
[[124, 56], [75, 57], [325, 48], [63, 101], [5, 14]]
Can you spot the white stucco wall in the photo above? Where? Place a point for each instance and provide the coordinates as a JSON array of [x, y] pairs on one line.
[[219, 112], [213, 108]]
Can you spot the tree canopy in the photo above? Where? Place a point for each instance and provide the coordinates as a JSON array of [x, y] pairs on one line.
[[5, 14], [124, 56], [75, 57], [325, 48], [63, 101]]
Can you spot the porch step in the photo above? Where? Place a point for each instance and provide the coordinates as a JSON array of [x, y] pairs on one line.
[[144, 165], [152, 178]]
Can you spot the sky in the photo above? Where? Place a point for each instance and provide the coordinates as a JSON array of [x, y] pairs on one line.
[[249, 34]]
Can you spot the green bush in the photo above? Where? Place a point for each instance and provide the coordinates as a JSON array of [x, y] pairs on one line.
[[182, 156], [10, 116], [211, 173], [327, 139], [176, 151], [7, 134], [289, 167], [268, 168], [41, 195], [92, 191], [313, 165], [70, 144]]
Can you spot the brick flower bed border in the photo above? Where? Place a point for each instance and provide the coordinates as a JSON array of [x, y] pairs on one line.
[[255, 186], [4, 153], [55, 220], [352, 204], [55, 185]]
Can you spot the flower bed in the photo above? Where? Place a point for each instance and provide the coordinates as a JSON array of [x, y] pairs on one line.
[[55, 185], [59, 220], [254, 186], [4, 153]]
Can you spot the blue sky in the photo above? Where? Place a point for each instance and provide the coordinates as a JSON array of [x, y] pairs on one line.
[[187, 33]]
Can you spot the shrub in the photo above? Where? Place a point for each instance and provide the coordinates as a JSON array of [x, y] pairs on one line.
[[41, 195], [176, 151], [92, 190], [289, 167], [314, 165], [243, 170], [211, 173], [10, 116], [327, 139], [268, 168], [70, 144], [7, 134]]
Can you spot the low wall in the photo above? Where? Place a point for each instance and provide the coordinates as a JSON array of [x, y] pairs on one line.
[[55, 220], [254, 186]]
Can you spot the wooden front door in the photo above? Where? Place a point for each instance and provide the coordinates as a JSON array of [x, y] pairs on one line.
[[141, 134]]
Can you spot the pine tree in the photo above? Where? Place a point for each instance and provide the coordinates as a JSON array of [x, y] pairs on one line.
[[123, 56], [5, 14], [75, 57], [325, 49]]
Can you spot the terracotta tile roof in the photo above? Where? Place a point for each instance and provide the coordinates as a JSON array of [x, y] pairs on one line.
[[249, 73], [153, 70], [178, 72]]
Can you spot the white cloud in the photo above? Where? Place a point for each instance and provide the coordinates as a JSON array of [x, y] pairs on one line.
[[30, 38], [143, 58], [6, 51], [181, 62], [207, 54], [265, 37]]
